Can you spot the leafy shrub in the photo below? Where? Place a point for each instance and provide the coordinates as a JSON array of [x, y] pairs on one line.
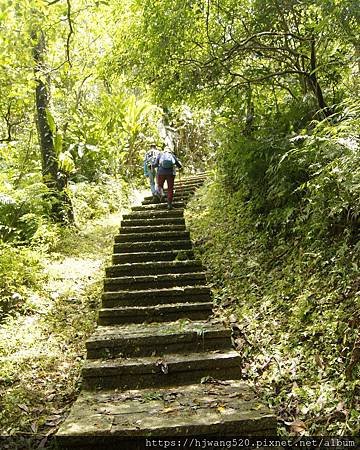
[[20, 271], [93, 200], [332, 190], [22, 210], [292, 179]]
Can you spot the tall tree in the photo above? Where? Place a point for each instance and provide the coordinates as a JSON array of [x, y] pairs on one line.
[[53, 177]]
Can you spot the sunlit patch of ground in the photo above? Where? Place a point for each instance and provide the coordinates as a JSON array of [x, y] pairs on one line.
[[41, 354]]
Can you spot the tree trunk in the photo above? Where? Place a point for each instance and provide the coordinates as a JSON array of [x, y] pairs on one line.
[[249, 120], [314, 82], [61, 208]]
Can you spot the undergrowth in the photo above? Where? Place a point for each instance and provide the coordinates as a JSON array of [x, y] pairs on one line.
[[42, 349], [292, 300], [50, 292]]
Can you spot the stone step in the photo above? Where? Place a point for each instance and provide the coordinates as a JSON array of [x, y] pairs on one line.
[[153, 221], [171, 213], [151, 228], [153, 256], [150, 371], [136, 247], [151, 297], [177, 196], [184, 190], [152, 236], [161, 281], [153, 268], [190, 177], [157, 313], [179, 192], [108, 419], [183, 182], [193, 182], [156, 339], [157, 206], [194, 175], [191, 187], [184, 200]]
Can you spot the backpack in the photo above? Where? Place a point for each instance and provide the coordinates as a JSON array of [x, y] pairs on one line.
[[166, 160], [150, 157]]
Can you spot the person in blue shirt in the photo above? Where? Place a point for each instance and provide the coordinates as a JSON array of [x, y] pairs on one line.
[[149, 168], [166, 163]]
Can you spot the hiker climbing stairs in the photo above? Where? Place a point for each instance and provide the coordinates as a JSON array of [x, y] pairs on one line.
[[158, 363]]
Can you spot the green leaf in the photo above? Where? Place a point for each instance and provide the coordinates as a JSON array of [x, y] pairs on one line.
[[51, 121], [58, 143]]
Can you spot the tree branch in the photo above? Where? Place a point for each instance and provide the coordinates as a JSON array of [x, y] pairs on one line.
[[271, 75], [70, 32], [78, 95], [243, 43]]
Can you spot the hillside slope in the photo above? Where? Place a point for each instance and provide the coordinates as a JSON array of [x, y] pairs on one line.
[[293, 303]]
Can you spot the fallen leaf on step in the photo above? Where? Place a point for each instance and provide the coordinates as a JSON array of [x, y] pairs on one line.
[[34, 427], [206, 380], [319, 361], [163, 366], [169, 410], [341, 408], [24, 408], [298, 426]]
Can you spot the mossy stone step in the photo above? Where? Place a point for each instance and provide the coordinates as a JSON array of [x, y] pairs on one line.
[[163, 202], [152, 236], [179, 190], [157, 339], [152, 228], [145, 297], [178, 197], [155, 313], [184, 190], [182, 183], [145, 221], [149, 371], [140, 282], [194, 176], [158, 206], [106, 419], [153, 256], [129, 247], [153, 214], [149, 268]]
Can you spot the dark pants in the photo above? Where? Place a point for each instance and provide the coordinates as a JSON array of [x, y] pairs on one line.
[[170, 185]]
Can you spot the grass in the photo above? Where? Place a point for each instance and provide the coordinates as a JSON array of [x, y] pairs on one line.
[[42, 352]]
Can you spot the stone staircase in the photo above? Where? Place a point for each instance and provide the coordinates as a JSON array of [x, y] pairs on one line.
[[158, 364]]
